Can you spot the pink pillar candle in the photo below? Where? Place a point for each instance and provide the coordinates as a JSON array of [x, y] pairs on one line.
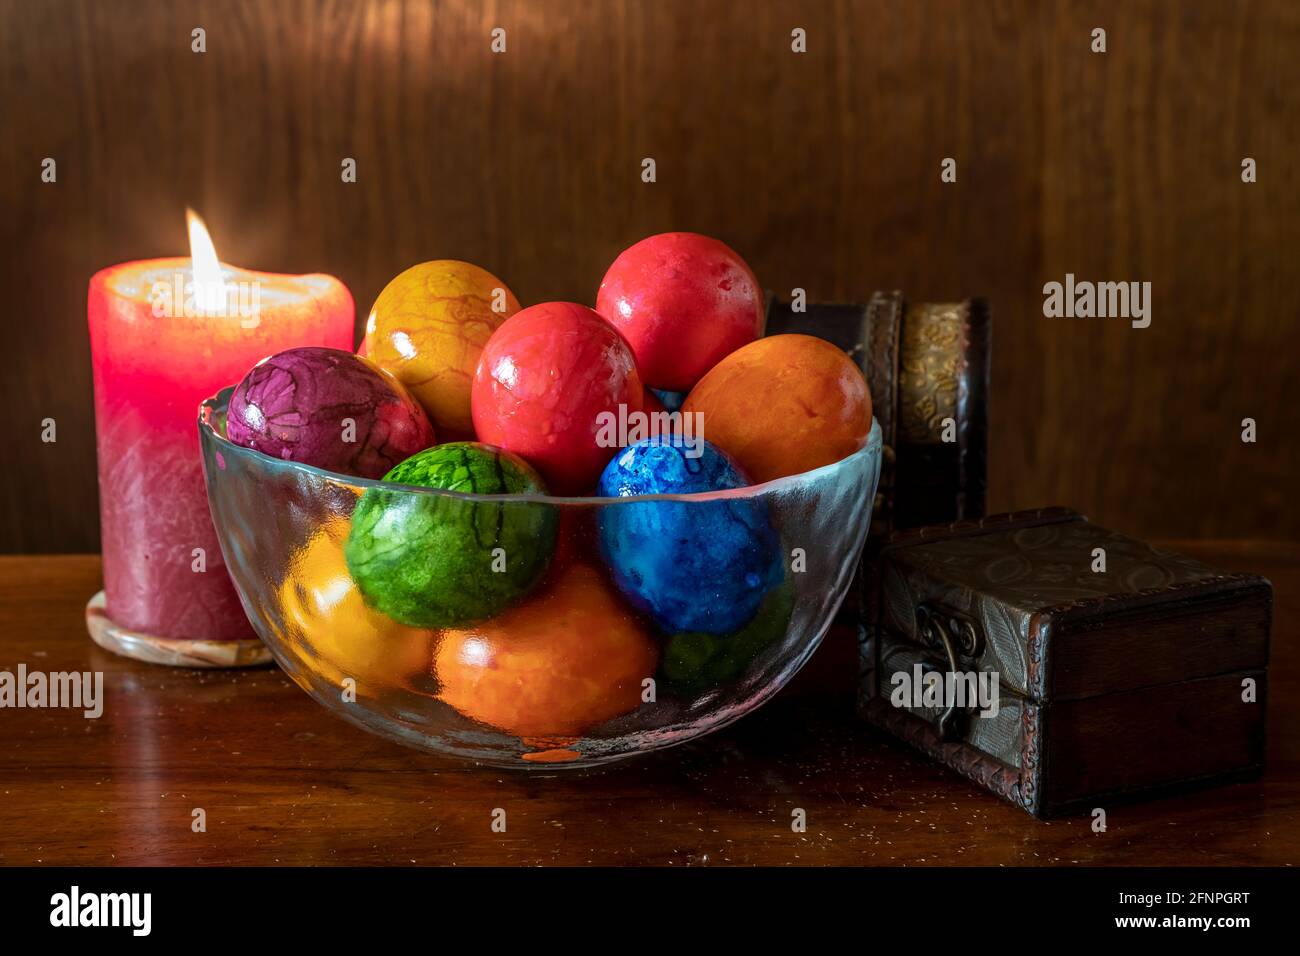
[[157, 352]]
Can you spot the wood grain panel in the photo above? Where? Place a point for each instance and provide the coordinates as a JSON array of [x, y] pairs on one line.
[[821, 168]]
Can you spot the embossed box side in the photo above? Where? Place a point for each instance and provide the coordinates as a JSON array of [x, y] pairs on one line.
[[943, 395]]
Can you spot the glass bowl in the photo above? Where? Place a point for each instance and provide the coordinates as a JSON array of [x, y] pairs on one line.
[[571, 674]]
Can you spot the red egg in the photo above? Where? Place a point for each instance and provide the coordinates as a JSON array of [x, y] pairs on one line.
[[684, 302], [544, 379]]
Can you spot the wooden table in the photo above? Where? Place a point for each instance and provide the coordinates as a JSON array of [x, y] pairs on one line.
[[282, 781]]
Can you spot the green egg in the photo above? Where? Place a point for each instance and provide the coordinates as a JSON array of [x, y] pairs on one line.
[[443, 561], [693, 662]]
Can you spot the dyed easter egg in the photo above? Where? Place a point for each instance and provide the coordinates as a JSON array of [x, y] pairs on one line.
[[328, 408], [664, 401], [442, 561], [337, 635], [566, 660], [546, 384], [683, 302], [429, 326], [784, 405], [575, 540], [694, 661], [691, 566]]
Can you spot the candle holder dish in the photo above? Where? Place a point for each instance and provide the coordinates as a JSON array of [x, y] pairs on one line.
[[576, 670], [170, 651]]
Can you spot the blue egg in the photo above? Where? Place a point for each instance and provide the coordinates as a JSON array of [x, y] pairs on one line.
[[672, 401], [691, 566]]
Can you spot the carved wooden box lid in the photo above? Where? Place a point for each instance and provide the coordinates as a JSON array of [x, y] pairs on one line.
[[1061, 607], [1120, 669]]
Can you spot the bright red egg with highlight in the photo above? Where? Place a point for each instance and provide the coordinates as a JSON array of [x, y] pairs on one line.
[[545, 381], [684, 302]]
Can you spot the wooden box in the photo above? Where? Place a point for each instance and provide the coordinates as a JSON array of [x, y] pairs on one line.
[[1122, 670]]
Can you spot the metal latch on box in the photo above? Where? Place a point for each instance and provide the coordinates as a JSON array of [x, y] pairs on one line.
[[957, 635]]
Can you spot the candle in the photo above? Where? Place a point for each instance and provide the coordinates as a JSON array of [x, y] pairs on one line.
[[166, 334]]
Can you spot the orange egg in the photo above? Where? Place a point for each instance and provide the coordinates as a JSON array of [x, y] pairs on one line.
[[783, 405], [335, 634], [556, 666], [429, 326]]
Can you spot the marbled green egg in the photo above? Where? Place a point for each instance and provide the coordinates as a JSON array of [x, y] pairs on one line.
[[443, 561], [693, 661]]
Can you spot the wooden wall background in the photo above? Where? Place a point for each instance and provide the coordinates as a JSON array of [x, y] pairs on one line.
[[822, 169]]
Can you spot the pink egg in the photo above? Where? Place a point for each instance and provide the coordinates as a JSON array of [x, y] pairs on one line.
[[684, 302]]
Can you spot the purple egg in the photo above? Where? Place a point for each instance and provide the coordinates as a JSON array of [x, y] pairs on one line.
[[327, 408]]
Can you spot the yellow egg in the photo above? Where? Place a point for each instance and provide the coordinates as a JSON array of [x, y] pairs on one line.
[[428, 327], [335, 634]]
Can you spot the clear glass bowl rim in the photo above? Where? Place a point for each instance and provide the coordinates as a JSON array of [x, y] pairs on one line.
[[218, 403]]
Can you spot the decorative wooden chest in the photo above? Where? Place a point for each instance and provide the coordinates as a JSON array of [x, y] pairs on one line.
[[1121, 670]]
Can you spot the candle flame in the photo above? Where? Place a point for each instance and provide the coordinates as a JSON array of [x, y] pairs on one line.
[[209, 286]]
